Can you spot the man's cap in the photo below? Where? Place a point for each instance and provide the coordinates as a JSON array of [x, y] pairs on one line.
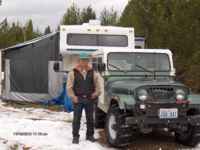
[[84, 55]]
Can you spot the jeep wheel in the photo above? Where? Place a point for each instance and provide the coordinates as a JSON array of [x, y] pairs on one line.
[[189, 137], [117, 133]]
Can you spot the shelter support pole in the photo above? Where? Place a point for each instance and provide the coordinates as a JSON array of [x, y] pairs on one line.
[[1, 73], [7, 76]]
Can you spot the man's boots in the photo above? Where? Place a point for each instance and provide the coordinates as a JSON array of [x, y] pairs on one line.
[[91, 139], [75, 140]]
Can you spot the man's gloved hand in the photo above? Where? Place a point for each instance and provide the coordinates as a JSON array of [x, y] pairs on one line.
[[75, 99], [94, 95]]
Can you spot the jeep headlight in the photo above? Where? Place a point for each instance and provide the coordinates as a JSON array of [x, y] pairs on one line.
[[142, 94], [180, 94]]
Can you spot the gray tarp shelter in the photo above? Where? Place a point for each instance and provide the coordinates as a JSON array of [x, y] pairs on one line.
[[28, 70]]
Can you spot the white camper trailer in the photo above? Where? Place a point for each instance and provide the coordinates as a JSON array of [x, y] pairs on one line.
[[90, 37]]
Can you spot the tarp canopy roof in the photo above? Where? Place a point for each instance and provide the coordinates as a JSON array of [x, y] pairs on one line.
[[26, 43]]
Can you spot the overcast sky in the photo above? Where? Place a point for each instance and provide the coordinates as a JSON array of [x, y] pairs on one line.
[[49, 12]]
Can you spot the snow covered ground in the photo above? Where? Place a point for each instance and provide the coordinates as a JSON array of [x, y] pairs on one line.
[[40, 129]]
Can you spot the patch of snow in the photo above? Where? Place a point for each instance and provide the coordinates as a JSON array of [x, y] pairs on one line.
[[40, 129]]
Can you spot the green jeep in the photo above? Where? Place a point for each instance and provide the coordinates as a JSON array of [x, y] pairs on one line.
[[140, 95]]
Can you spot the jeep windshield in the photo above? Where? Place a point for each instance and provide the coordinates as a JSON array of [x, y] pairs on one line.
[[138, 62]]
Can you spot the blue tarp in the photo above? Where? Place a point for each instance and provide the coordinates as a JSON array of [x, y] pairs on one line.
[[62, 99]]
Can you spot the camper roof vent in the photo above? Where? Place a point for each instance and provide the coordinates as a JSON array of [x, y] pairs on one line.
[[93, 23]]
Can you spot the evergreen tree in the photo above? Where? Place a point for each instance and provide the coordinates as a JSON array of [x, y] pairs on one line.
[[4, 29], [87, 14], [14, 33], [29, 30], [19, 33], [72, 16], [108, 17], [47, 30], [4, 25]]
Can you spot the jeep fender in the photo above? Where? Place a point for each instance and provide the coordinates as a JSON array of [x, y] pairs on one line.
[[194, 100], [123, 101]]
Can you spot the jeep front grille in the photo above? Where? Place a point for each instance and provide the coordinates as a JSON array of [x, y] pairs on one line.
[[161, 92]]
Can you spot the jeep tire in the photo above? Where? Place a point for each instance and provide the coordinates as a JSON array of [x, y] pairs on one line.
[[117, 133], [189, 137]]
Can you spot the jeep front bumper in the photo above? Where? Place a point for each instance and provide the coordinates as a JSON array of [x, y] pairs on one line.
[[149, 117]]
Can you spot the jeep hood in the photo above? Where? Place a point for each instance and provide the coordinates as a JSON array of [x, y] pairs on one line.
[[127, 86]]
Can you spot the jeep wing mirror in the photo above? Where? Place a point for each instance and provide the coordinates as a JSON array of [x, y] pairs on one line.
[[56, 66], [100, 67]]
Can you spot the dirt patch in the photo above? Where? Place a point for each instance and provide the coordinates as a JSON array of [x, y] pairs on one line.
[[17, 104], [154, 141]]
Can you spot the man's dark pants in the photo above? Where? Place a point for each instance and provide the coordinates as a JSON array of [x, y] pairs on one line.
[[88, 106]]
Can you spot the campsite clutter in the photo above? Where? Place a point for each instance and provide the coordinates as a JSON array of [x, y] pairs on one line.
[[37, 71], [29, 67]]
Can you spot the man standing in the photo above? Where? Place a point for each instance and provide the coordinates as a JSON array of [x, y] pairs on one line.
[[84, 88]]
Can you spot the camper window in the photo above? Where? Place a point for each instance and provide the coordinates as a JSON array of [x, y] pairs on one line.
[[97, 40]]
